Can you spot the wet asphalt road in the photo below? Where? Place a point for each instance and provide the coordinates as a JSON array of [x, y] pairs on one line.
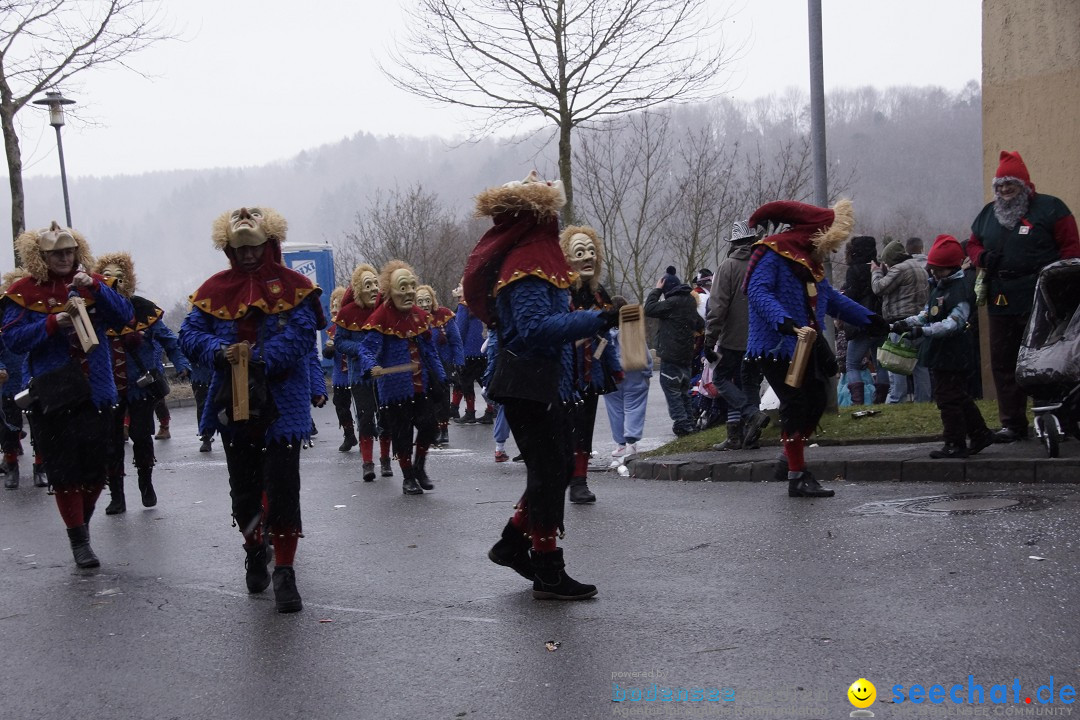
[[731, 586]]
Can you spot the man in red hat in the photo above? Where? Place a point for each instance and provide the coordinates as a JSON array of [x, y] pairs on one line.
[[1012, 239]]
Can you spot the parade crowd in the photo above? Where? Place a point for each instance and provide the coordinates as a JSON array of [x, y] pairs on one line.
[[533, 328]]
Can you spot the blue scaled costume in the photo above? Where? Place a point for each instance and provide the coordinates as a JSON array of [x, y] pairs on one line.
[[348, 325], [401, 341], [277, 312], [471, 330], [517, 281], [447, 338], [786, 290]]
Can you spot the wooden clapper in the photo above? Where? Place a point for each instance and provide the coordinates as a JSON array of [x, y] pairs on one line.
[[80, 320], [378, 371], [797, 369], [240, 401], [635, 353]]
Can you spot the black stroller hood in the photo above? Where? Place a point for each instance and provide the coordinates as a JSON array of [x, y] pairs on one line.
[[1050, 352]]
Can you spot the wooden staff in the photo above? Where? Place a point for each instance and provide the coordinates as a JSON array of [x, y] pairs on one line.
[[80, 320], [635, 353], [803, 348], [240, 407], [378, 371]]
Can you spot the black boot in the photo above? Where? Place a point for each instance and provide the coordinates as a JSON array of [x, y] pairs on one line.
[[117, 503], [408, 483], [11, 475], [369, 472], [580, 492], [286, 596], [881, 393], [80, 547], [512, 551], [858, 393], [40, 478], [256, 576], [207, 443], [734, 438], [807, 486], [950, 451], [752, 430], [146, 487], [550, 581], [488, 418], [387, 467], [444, 437], [420, 473], [350, 440], [469, 418]]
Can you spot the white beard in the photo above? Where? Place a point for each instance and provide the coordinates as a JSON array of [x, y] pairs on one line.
[[1009, 212]]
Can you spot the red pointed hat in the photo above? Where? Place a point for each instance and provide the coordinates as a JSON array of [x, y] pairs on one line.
[[946, 252], [1011, 166], [812, 231]]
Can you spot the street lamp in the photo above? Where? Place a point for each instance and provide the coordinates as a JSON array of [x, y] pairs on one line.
[[56, 102]]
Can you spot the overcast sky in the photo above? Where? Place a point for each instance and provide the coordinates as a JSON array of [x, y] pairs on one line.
[[257, 81]]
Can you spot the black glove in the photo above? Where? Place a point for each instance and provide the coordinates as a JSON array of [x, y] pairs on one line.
[[328, 352], [787, 327], [711, 355], [610, 319], [219, 360], [990, 260], [900, 326], [318, 400], [878, 326], [916, 331]]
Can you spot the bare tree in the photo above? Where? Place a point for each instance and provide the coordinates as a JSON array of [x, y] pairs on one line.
[[410, 225], [567, 61], [44, 43]]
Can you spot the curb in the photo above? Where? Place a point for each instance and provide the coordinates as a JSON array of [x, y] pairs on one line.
[[1024, 471]]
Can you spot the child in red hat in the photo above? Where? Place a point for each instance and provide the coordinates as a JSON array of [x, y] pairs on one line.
[[949, 350]]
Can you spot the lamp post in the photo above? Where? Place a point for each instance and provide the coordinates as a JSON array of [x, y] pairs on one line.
[[56, 102]]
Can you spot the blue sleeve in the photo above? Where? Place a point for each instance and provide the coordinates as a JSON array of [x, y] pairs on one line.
[[286, 348], [430, 354], [842, 307], [347, 342], [318, 377], [763, 288], [115, 309], [453, 337], [610, 356], [368, 350], [197, 339], [544, 328], [168, 341], [23, 329]]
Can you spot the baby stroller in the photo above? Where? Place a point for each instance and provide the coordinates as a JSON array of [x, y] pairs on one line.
[[1048, 364]]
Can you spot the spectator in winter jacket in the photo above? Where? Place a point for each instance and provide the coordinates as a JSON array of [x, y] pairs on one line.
[[737, 381], [948, 351], [901, 284], [679, 320], [1012, 239], [626, 405], [863, 345]]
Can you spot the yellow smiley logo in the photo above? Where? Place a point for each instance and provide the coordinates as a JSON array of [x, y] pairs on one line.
[[862, 693]]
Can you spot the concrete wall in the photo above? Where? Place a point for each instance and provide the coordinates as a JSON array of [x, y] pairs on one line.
[[1031, 91]]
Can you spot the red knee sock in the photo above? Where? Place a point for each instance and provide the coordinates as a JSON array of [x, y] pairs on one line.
[[11, 458], [70, 505], [367, 444], [520, 518], [405, 462], [455, 399], [581, 464], [421, 453], [284, 549], [544, 539], [793, 449], [470, 404], [384, 447]]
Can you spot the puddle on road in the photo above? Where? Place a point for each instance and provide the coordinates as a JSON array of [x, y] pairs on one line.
[[967, 503]]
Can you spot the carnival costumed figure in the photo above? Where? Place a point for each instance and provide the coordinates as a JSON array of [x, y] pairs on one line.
[[471, 330], [517, 281], [140, 380], [73, 387], [14, 381], [788, 295], [448, 342], [596, 365], [357, 304], [261, 308], [339, 377], [397, 350]]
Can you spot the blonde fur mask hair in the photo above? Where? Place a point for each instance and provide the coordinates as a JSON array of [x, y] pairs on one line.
[[388, 270], [273, 224], [542, 198], [123, 261], [10, 277], [356, 281], [831, 240], [567, 236], [430, 291], [335, 297], [33, 258]]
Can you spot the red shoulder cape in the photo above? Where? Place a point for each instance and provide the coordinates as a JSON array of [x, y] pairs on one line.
[[441, 316], [50, 297], [388, 320], [353, 316], [273, 289]]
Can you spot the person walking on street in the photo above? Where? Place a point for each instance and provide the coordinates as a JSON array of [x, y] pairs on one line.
[[679, 321], [1012, 239], [737, 380]]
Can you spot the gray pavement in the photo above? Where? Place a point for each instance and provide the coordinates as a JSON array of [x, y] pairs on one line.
[[727, 585]]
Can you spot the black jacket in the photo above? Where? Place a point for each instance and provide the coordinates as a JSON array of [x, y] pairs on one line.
[[857, 281], [679, 320]]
